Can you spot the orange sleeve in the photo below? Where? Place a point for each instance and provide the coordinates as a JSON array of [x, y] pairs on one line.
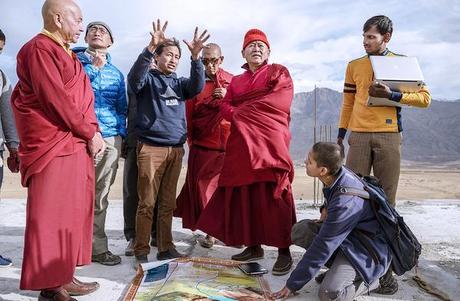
[[349, 92]]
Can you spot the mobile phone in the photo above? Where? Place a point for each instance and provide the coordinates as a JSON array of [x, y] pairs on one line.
[[252, 268]]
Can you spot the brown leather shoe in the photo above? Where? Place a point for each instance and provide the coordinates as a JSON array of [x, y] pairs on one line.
[[79, 288], [55, 295]]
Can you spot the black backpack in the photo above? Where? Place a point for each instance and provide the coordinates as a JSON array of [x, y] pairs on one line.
[[404, 246]]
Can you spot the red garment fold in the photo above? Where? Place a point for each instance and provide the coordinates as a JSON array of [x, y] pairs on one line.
[[206, 126], [53, 105], [59, 222], [249, 215], [207, 135], [260, 136], [253, 204], [200, 184]]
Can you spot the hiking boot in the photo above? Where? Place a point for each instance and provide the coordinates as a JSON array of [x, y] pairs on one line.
[[250, 253], [282, 265], [207, 242], [106, 258], [388, 285], [169, 254], [129, 251], [5, 262]]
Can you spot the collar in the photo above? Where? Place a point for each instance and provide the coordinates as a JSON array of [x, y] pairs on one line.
[[384, 53], [217, 76], [58, 40], [158, 72], [246, 66], [329, 190]]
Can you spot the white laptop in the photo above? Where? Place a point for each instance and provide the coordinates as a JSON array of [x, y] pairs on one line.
[[400, 73]]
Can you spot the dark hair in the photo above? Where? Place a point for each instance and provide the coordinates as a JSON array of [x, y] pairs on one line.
[[382, 23], [329, 155], [2, 36], [167, 43]]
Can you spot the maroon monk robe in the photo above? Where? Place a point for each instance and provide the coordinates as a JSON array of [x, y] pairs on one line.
[[253, 204], [53, 104], [207, 134]]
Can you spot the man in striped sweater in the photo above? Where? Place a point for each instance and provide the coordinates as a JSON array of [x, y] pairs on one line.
[[375, 138]]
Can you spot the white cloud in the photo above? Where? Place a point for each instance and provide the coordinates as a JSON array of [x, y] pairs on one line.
[[314, 39]]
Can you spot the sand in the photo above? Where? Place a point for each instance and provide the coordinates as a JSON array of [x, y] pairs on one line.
[[415, 183]]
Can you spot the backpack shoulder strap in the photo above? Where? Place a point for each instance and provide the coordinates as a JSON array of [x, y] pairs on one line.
[[354, 191]]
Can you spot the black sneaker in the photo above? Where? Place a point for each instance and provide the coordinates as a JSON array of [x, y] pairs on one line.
[[320, 277], [388, 285], [250, 253], [282, 265], [170, 254], [106, 258]]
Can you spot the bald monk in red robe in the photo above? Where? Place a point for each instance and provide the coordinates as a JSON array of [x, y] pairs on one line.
[[53, 104], [253, 204], [207, 134]]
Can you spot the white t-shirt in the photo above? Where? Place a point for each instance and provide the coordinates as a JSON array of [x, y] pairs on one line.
[[4, 82]]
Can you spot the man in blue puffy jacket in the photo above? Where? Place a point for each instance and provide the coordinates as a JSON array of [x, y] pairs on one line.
[[111, 108]]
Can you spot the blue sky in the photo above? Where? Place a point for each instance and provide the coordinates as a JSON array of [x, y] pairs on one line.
[[314, 39]]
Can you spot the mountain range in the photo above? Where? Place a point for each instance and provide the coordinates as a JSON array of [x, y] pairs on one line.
[[430, 136]]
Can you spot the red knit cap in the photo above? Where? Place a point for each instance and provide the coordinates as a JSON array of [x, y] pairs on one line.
[[255, 35]]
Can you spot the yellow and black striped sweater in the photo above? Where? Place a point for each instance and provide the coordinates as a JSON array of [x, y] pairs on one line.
[[357, 116]]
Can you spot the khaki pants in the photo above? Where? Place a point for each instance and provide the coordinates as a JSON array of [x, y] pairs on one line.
[[106, 170], [382, 153], [159, 169]]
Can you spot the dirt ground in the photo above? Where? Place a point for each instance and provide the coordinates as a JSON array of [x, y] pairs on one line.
[[415, 183]]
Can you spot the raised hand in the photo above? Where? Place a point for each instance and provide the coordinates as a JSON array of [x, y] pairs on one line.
[[158, 35], [197, 43]]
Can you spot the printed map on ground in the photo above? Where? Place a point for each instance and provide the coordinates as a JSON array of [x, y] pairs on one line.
[[196, 279]]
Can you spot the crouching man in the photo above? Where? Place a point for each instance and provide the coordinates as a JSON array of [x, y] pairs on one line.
[[341, 238]]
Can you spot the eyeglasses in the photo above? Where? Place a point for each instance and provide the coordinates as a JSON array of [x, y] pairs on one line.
[[94, 29], [213, 61]]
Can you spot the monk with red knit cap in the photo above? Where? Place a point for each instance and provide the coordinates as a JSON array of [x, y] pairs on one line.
[[253, 204]]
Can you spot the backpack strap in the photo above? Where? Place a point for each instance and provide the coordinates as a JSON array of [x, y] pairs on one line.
[[354, 191], [359, 233]]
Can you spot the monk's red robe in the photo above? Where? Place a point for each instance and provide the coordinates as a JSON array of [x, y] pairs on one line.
[[53, 104], [253, 203], [207, 134]]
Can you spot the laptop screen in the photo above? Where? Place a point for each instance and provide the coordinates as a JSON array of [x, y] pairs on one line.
[[396, 68]]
